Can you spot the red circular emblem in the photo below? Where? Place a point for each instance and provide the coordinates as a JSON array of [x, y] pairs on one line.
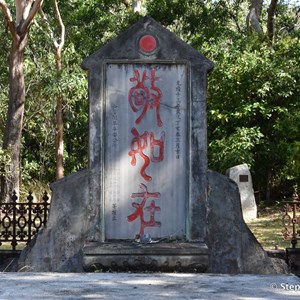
[[148, 43]]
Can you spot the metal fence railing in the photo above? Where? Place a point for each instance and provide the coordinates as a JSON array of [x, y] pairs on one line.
[[291, 220], [20, 221]]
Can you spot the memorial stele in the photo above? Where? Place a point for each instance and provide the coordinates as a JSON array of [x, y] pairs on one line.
[[147, 92], [147, 200]]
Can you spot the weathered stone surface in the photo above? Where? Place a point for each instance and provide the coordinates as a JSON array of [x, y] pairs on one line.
[[58, 247], [192, 67], [293, 258], [130, 130], [233, 247], [137, 286], [131, 256], [242, 176]]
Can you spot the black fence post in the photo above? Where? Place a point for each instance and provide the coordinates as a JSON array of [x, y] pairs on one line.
[[45, 199], [30, 199], [14, 199]]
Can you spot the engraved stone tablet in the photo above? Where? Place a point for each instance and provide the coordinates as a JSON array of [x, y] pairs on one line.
[[146, 140]]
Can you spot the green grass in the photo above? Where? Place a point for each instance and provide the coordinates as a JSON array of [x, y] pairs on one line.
[[7, 246], [268, 229]]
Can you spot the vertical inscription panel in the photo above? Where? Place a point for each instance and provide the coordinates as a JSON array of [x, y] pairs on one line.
[[145, 150]]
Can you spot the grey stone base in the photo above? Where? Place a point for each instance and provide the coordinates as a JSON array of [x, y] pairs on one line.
[[131, 256], [293, 260]]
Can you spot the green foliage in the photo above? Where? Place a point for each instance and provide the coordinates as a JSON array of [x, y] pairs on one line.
[[46, 84], [94, 23], [253, 95], [85, 22], [5, 160], [237, 148], [253, 105], [256, 86]]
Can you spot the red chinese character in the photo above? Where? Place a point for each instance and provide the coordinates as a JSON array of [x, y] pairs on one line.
[[141, 97], [160, 144], [139, 212], [139, 143]]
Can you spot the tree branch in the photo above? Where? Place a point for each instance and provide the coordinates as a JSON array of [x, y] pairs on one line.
[[22, 11], [125, 2], [62, 26], [34, 9], [270, 21], [51, 33], [8, 17], [58, 45]]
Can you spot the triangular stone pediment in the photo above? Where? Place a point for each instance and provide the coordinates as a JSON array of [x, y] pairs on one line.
[[127, 46]]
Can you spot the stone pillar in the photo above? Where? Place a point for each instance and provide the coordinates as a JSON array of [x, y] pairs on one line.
[[242, 176]]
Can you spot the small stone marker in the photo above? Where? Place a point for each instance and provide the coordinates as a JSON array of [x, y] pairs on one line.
[[242, 176]]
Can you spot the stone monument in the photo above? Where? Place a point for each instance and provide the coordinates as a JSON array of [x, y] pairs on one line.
[[148, 145], [242, 176], [147, 200]]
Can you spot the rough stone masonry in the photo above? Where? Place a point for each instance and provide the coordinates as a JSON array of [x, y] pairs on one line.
[[147, 173]]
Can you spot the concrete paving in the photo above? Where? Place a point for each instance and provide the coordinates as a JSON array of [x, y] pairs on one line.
[[25, 286]]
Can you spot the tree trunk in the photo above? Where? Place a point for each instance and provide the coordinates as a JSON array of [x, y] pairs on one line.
[[59, 138], [25, 12], [59, 149], [59, 100], [253, 18], [14, 120], [271, 21], [59, 127], [137, 5], [269, 186]]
